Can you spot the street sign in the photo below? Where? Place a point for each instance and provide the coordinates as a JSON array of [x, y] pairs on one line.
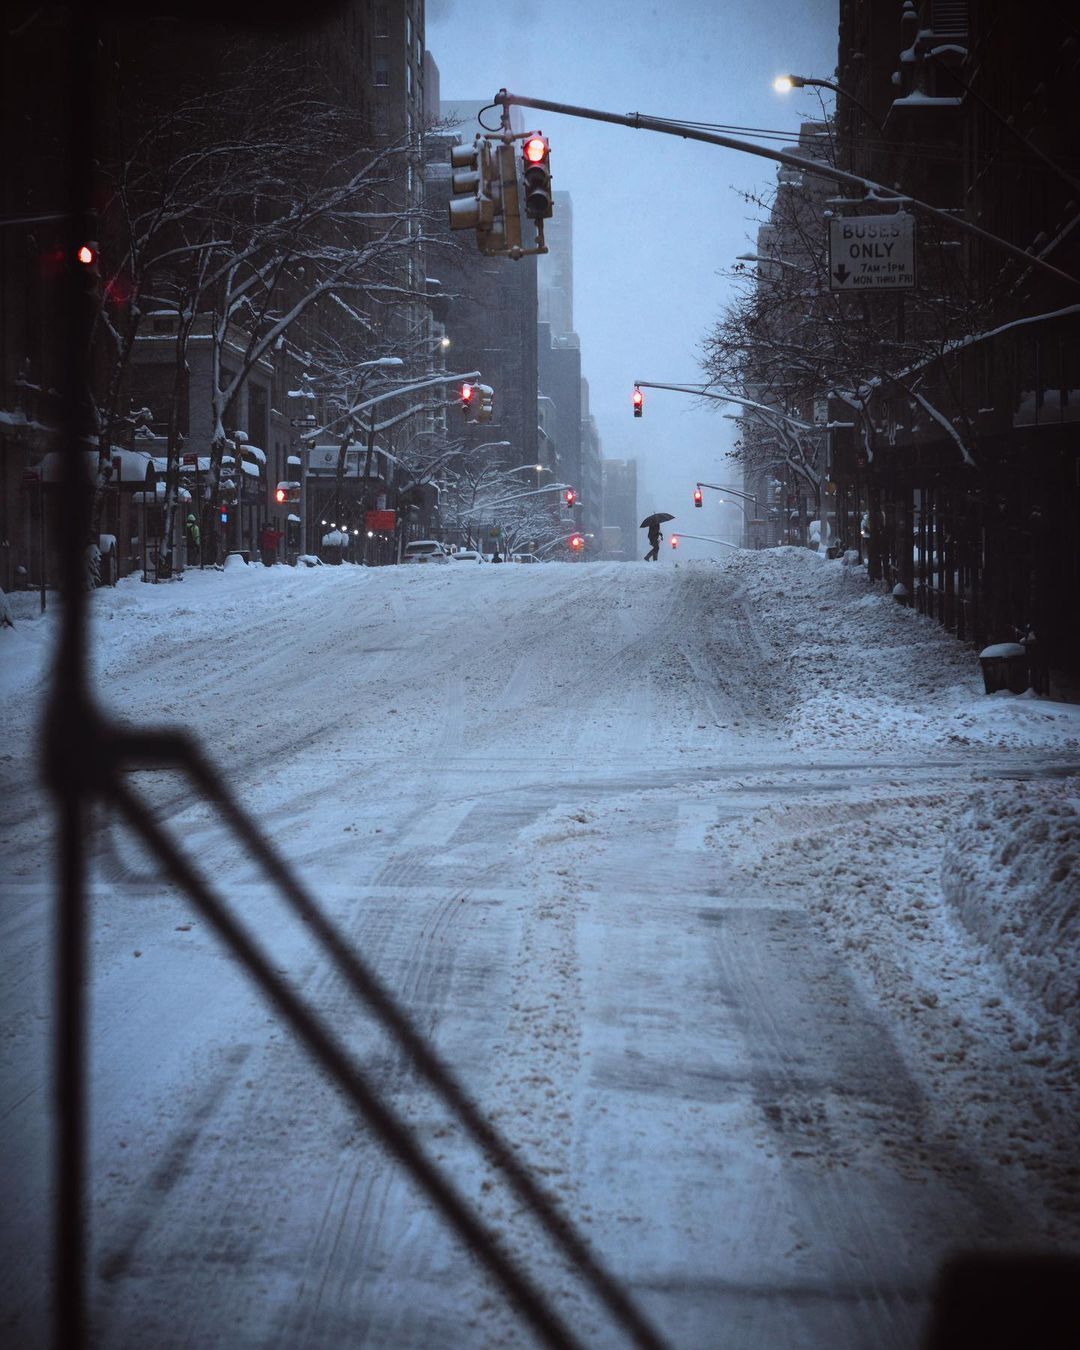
[[380, 521], [872, 253]]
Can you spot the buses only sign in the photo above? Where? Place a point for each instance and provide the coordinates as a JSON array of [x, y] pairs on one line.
[[872, 253]]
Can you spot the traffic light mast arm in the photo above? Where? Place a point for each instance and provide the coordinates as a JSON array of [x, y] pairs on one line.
[[412, 388], [701, 392], [708, 539], [732, 492], [867, 188], [533, 492]]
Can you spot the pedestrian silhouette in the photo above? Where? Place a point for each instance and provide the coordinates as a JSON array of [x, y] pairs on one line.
[[655, 536]]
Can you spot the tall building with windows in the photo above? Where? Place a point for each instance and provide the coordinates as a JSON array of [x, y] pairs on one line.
[[620, 509], [555, 269]]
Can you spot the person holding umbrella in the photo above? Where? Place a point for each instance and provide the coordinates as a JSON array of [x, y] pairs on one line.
[[652, 524]]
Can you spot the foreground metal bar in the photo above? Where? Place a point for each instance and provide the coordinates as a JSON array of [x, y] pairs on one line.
[[866, 187], [167, 747], [390, 1127]]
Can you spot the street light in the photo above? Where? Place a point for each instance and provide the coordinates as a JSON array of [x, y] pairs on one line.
[[784, 84], [756, 257], [380, 361]]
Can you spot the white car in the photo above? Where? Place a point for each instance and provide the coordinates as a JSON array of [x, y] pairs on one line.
[[425, 551], [468, 555]]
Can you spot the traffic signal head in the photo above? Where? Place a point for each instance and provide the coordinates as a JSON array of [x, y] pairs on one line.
[[468, 395], [697, 496], [472, 180], [536, 160], [639, 399], [577, 542], [281, 496], [87, 254], [674, 541], [570, 496], [485, 403]]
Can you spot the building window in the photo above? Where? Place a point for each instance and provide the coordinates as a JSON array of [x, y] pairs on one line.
[[408, 78], [382, 21], [382, 71]]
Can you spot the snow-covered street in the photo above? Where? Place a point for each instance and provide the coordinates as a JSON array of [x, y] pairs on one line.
[[734, 902]]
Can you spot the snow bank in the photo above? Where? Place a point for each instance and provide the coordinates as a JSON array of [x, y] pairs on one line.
[[861, 672], [1012, 873]]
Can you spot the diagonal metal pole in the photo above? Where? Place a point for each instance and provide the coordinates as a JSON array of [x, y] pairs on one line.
[[387, 1124], [175, 748], [866, 187]]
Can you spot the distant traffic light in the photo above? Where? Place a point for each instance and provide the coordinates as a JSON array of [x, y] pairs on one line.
[[570, 496], [287, 491], [639, 399], [697, 496], [674, 541], [577, 542], [468, 394], [536, 158], [485, 408], [87, 254]]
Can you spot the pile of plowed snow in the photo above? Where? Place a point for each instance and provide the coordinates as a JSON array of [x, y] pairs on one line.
[[1011, 871], [865, 673]]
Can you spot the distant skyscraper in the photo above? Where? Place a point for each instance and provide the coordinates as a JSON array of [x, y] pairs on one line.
[[555, 269]]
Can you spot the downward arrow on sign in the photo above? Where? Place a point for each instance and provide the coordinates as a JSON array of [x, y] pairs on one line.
[[841, 274]]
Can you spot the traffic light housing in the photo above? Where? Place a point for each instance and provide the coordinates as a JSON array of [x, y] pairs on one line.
[[697, 496], [285, 492], [469, 399], [536, 176], [485, 407], [570, 496], [577, 543], [674, 541], [473, 176], [638, 399]]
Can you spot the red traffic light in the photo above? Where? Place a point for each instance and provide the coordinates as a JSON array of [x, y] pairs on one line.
[[639, 399], [467, 391], [86, 254], [571, 496], [281, 495], [577, 542], [674, 541], [534, 149], [697, 496]]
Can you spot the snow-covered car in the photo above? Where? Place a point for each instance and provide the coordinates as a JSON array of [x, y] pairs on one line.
[[525, 557], [468, 555], [425, 551]]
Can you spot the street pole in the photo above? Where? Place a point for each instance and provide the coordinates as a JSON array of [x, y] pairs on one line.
[[304, 452], [876, 193]]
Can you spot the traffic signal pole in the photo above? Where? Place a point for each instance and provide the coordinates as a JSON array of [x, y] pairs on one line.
[[869, 190], [701, 391], [709, 539]]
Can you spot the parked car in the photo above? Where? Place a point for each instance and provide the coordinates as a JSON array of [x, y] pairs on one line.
[[425, 551], [468, 555]]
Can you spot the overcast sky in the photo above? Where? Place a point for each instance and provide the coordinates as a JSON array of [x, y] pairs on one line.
[[655, 218]]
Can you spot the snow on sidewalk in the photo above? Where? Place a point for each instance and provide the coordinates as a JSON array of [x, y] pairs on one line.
[[865, 673]]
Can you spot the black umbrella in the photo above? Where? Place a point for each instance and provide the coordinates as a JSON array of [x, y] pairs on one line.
[[657, 518]]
